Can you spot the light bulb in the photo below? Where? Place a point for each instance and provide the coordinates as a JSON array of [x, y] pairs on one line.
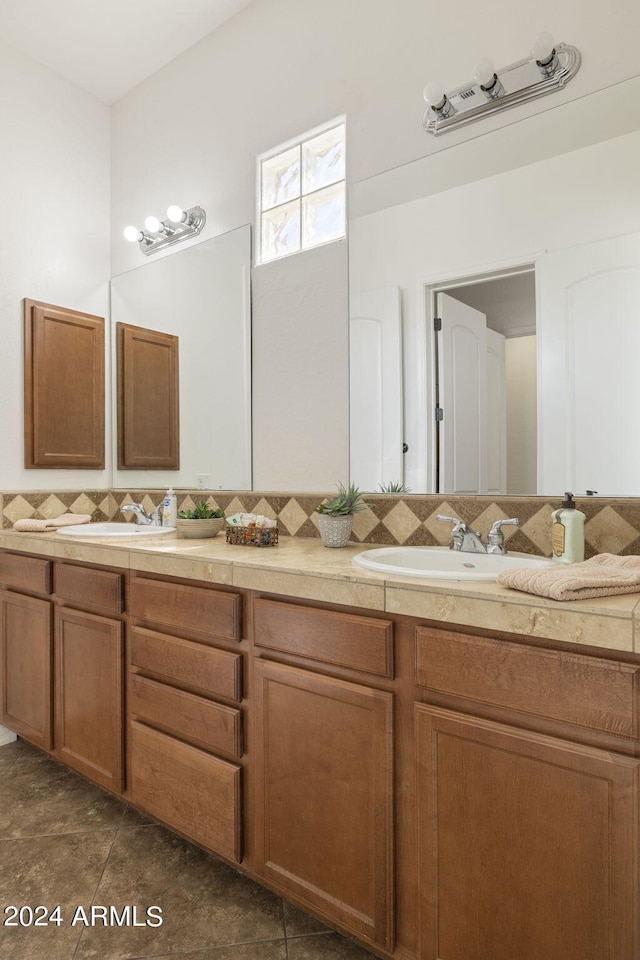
[[132, 234], [175, 213], [153, 225], [434, 94], [484, 72], [542, 47]]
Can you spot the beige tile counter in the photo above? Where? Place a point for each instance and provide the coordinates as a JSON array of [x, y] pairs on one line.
[[305, 569]]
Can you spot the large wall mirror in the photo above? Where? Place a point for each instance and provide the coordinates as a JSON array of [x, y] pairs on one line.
[[201, 295], [494, 328]]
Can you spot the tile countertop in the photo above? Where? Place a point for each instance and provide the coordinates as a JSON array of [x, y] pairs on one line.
[[303, 568]]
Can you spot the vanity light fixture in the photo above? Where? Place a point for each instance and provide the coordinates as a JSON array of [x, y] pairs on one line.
[[547, 69], [179, 225]]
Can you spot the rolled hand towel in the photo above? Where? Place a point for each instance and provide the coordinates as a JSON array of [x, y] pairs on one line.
[[602, 576], [44, 526]]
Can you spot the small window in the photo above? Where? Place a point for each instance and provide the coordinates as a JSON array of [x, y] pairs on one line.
[[301, 193]]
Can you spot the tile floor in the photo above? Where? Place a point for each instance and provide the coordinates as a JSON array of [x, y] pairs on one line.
[[65, 842]]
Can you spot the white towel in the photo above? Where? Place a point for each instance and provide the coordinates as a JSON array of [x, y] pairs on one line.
[[44, 526], [602, 576]]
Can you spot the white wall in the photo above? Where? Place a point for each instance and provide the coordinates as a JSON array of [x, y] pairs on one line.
[[54, 197], [191, 133]]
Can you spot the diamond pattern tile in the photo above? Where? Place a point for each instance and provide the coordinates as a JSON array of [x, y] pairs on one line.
[[292, 517], [612, 526], [364, 523], [83, 504], [608, 532], [17, 509], [538, 530], [52, 507], [401, 521]]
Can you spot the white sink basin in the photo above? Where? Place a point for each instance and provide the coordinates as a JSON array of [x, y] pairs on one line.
[[441, 563], [113, 530]]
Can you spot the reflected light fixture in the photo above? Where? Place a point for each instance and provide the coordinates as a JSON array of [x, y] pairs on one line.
[[549, 67], [179, 225]]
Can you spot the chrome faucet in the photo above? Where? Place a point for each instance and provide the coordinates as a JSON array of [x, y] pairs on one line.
[[465, 540], [141, 515]]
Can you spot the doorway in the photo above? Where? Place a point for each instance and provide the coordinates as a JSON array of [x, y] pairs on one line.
[[485, 373]]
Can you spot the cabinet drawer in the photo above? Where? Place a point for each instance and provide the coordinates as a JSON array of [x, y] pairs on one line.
[[341, 639], [188, 789], [200, 611], [196, 665], [25, 573], [99, 589], [588, 691], [190, 717]]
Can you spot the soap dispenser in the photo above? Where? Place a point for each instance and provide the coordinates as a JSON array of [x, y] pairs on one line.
[[567, 532], [170, 508]]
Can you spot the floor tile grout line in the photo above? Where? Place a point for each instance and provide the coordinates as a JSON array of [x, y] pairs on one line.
[[60, 833], [211, 946], [100, 878]]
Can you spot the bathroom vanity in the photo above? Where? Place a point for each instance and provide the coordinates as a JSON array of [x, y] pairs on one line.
[[436, 769]]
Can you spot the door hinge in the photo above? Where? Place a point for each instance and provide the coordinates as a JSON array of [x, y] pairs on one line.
[[439, 414], [437, 324]]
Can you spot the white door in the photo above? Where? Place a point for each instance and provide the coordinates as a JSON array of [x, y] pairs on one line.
[[589, 368], [462, 363], [375, 384], [496, 421]]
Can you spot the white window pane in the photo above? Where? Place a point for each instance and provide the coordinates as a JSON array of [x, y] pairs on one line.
[[323, 159], [281, 178], [323, 216], [281, 231]]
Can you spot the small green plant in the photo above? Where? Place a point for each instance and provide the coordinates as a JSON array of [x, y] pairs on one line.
[[200, 512], [394, 486], [348, 500]]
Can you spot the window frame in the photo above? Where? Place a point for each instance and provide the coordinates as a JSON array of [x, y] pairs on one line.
[[283, 148]]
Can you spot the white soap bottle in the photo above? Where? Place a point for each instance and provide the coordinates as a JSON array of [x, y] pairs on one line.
[[567, 532], [170, 508]]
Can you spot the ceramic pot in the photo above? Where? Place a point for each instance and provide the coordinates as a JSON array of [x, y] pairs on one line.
[[335, 531], [199, 529]]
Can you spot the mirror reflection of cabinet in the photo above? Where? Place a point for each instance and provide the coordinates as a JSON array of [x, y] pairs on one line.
[[148, 399], [63, 388]]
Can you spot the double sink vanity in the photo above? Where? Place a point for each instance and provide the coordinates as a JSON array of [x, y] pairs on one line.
[[437, 768]]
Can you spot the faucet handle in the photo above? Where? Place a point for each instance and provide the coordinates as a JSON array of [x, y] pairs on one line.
[[495, 526], [458, 525], [495, 540]]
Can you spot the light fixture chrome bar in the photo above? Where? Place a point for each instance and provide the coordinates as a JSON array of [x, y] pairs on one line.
[[522, 81], [172, 232]]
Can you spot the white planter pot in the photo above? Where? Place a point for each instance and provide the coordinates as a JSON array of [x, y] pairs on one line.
[[200, 529], [335, 531]]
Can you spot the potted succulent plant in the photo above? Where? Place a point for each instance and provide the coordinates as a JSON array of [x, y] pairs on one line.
[[335, 515], [202, 521]]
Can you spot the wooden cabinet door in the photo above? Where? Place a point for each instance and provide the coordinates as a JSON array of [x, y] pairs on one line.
[[64, 421], [148, 399], [325, 796], [528, 844], [25, 635], [88, 695]]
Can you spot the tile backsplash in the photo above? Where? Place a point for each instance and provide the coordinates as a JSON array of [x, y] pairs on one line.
[[612, 525]]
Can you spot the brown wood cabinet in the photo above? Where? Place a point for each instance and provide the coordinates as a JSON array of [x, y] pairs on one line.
[[433, 792], [89, 712], [25, 668], [324, 796], [148, 399], [528, 844], [185, 722], [64, 423]]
